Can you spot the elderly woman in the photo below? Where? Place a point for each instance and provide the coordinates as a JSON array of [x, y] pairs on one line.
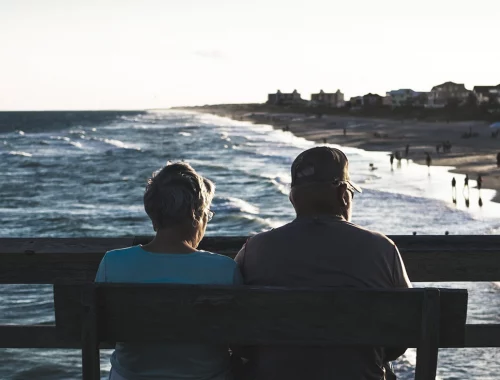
[[177, 200]]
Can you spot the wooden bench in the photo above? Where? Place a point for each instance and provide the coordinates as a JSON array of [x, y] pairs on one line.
[[423, 318]]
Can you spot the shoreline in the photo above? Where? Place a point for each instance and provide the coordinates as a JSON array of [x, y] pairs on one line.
[[473, 156]]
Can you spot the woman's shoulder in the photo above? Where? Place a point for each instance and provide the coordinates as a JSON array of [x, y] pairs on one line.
[[216, 258], [122, 252]]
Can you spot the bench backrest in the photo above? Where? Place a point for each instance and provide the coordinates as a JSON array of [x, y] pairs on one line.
[[422, 318]]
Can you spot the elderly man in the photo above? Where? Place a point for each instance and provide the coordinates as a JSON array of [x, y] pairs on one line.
[[322, 248]]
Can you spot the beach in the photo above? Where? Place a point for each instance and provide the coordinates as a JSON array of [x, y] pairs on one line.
[[473, 156]]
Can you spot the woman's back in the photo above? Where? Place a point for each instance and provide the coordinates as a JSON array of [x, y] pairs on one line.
[[169, 361]]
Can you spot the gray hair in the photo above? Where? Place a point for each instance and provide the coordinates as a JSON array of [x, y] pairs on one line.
[[176, 194]]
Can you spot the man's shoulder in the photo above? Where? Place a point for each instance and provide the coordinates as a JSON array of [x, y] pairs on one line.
[[346, 229], [366, 234]]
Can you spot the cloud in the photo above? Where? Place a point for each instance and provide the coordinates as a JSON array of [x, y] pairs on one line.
[[210, 54]]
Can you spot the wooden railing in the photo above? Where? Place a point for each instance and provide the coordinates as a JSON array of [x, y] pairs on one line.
[[75, 260]]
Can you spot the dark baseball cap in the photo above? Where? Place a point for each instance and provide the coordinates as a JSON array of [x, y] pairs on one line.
[[322, 165]]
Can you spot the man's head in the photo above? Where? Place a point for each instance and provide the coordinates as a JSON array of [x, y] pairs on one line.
[[321, 184]]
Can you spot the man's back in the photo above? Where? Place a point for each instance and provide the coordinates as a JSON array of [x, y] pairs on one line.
[[323, 251]]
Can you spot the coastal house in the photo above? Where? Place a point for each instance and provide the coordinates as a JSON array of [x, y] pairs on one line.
[[332, 99], [401, 97], [283, 98], [356, 101], [487, 94], [372, 100], [448, 92]]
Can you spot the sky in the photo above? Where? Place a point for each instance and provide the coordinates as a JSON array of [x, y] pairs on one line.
[[124, 54]]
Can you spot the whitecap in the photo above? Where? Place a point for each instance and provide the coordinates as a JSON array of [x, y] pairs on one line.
[[17, 153], [185, 134], [241, 205], [117, 143]]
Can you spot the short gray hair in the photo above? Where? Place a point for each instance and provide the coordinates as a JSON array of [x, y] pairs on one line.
[[176, 194]]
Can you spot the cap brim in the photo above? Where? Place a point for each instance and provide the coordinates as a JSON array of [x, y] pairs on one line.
[[354, 186]]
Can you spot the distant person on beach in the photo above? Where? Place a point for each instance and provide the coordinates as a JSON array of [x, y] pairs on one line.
[[466, 181], [322, 248], [479, 182], [454, 190], [428, 159], [407, 150], [177, 200], [345, 132], [391, 159]]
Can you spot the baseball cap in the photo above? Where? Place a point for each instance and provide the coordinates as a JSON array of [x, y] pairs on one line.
[[322, 164]]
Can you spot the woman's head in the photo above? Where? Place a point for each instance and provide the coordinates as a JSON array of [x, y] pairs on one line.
[[177, 197]]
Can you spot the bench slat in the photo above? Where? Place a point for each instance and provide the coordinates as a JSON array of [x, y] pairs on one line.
[[269, 315]]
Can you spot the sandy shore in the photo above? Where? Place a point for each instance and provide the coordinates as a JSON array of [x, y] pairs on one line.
[[473, 156]]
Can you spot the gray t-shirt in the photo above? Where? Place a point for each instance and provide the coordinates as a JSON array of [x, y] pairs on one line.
[[322, 252]]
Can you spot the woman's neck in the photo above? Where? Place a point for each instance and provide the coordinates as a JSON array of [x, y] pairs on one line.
[[168, 241]]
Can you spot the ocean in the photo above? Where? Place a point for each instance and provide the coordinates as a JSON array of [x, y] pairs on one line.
[[86, 178]]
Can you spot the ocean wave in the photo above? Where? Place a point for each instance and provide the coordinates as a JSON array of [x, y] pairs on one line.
[[60, 138], [231, 203], [116, 143], [119, 144], [18, 153], [184, 133]]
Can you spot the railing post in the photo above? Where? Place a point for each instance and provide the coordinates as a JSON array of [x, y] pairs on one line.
[[90, 344], [427, 351]]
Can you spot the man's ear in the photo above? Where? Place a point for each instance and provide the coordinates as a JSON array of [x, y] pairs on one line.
[[343, 198]]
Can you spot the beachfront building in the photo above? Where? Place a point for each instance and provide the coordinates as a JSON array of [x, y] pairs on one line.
[[402, 97], [283, 98], [387, 101], [446, 93], [487, 94], [356, 101], [329, 99], [372, 100]]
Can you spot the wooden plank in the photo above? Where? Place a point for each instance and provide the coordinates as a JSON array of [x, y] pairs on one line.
[[46, 336], [453, 315], [38, 336], [90, 344], [268, 314], [35, 336], [427, 351], [427, 258], [482, 335], [47, 261]]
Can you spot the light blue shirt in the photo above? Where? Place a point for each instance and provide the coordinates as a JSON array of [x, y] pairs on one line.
[[169, 361]]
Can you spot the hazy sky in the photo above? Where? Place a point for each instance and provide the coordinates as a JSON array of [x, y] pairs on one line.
[[84, 54]]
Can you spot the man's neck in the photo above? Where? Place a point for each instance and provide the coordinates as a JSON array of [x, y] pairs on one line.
[[320, 215]]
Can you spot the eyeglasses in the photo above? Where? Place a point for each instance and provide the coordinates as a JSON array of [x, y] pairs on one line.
[[210, 215]]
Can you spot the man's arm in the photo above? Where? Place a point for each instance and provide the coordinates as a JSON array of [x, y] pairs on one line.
[[399, 275], [401, 280]]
